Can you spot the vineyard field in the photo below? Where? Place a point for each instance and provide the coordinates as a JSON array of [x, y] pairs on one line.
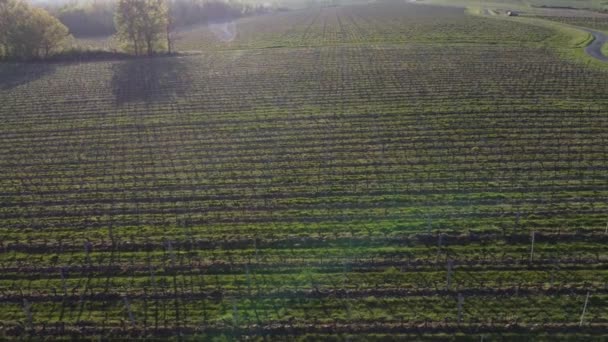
[[360, 24], [368, 172]]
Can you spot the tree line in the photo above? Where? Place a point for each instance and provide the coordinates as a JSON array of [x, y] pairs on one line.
[[144, 27]]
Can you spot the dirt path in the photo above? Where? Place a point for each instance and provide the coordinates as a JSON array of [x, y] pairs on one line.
[[595, 48]]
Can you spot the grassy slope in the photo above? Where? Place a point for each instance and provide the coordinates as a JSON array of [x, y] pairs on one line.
[[592, 23], [570, 41]]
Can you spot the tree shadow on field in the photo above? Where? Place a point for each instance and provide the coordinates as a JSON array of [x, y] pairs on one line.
[[13, 75], [151, 79]]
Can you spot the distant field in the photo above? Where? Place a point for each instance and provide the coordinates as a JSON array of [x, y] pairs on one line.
[[361, 24], [394, 171], [530, 5], [598, 23], [357, 24]]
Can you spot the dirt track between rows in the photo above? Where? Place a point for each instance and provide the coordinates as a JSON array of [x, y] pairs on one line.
[[595, 48]]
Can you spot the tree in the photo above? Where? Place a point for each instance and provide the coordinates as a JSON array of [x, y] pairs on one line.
[[5, 11], [127, 26], [50, 32], [142, 25], [169, 30], [29, 32]]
